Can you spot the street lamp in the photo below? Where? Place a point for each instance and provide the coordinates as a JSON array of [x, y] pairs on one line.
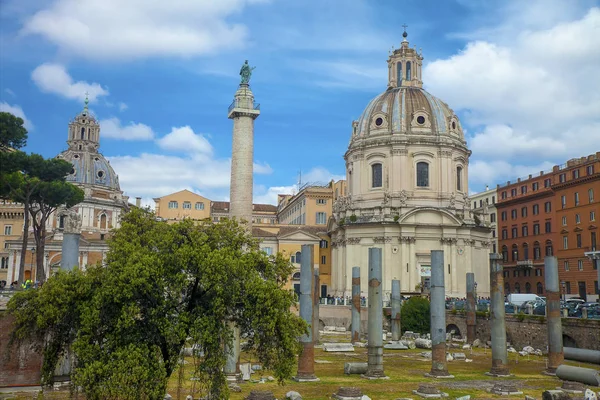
[[564, 289]]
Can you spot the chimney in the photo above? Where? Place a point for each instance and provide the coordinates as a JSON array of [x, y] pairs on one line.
[[138, 202]]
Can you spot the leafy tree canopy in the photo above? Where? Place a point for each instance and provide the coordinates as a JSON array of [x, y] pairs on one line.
[[415, 315], [163, 286], [12, 133]]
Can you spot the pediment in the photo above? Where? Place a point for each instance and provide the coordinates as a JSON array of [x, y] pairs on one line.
[[592, 227], [299, 236], [564, 231], [577, 229]]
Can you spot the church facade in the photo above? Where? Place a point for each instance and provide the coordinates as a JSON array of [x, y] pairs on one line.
[[99, 212], [407, 175]]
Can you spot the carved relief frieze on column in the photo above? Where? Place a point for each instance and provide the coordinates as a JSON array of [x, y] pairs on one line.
[[407, 239], [382, 239], [447, 240], [445, 153], [485, 243], [355, 240], [469, 242], [400, 152]]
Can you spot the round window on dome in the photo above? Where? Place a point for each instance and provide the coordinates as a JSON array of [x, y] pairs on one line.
[[379, 121], [453, 124], [72, 171], [420, 120], [76, 156], [100, 174], [96, 159]]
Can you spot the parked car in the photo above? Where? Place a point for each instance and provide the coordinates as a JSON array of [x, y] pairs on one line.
[[509, 308], [592, 308]]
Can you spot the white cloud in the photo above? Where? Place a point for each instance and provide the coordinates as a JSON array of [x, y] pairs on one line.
[[109, 29], [530, 97], [269, 195], [320, 175], [54, 78], [17, 111], [482, 172], [7, 90], [185, 140], [112, 128], [123, 106], [262, 168]]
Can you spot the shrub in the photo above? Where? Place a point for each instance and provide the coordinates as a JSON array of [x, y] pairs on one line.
[[396, 218], [353, 218], [415, 315]]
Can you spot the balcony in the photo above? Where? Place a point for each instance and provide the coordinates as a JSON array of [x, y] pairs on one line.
[[244, 104]]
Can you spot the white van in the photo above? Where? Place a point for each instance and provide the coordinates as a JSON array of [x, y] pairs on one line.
[[518, 299]]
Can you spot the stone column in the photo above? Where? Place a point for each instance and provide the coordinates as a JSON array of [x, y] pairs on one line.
[[306, 361], [232, 361], [316, 301], [555, 341], [10, 274], [355, 304], [498, 325], [438, 317], [396, 305], [471, 308], [375, 345], [70, 244]]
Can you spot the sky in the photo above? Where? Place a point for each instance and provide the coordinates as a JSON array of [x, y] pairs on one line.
[[523, 77]]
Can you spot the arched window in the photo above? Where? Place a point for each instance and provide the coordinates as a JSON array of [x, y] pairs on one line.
[[517, 288], [296, 276], [506, 288], [591, 195], [298, 257], [399, 73], [61, 222], [528, 287], [536, 251], [549, 250], [515, 252], [408, 77], [459, 178], [422, 174], [103, 221], [540, 288], [525, 251], [82, 133], [504, 253], [376, 175]]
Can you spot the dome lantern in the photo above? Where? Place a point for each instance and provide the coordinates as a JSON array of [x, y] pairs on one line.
[[404, 65], [84, 131]]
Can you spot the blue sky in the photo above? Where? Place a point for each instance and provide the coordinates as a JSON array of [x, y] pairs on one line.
[[522, 76]]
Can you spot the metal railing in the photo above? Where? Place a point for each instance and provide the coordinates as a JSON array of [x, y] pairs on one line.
[[244, 104]]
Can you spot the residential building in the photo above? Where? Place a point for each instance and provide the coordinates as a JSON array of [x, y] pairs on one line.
[[12, 216], [407, 174], [262, 214], [484, 209], [554, 213], [183, 204]]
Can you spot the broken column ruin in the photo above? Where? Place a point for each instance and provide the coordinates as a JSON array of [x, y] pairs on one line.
[[471, 308], [70, 244], [498, 325], [306, 360], [232, 361], [438, 317], [355, 304], [396, 304], [375, 322], [555, 341], [316, 300]]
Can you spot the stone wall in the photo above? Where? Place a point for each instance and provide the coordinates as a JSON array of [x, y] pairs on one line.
[[20, 365]]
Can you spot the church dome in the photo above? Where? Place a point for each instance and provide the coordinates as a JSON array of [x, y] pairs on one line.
[[90, 168], [407, 110]]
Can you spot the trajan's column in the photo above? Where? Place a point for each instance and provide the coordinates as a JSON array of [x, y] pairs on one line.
[[243, 111]]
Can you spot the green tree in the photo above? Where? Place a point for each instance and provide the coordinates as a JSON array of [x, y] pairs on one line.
[[415, 315], [40, 185], [12, 133], [162, 284]]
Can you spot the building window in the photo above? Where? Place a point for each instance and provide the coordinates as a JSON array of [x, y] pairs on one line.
[[564, 221], [422, 174], [8, 230], [547, 183], [536, 229], [527, 287], [524, 230], [4, 263], [563, 201], [504, 253], [103, 221], [576, 198], [591, 195], [323, 244], [536, 251], [187, 205], [576, 174], [525, 251], [513, 192], [577, 219], [268, 250], [199, 205], [547, 206], [492, 217], [566, 265], [517, 288], [523, 189], [549, 249], [61, 222], [579, 240], [540, 288], [536, 209], [493, 233], [493, 199], [538, 272], [298, 257], [173, 205], [459, 179], [321, 218], [408, 71], [215, 219], [548, 227], [503, 215], [503, 195], [580, 265], [590, 170], [376, 173], [504, 234], [515, 253], [534, 186], [565, 242], [515, 273], [514, 233], [321, 201], [399, 73], [568, 287], [593, 241], [562, 178], [474, 204], [592, 215], [323, 260], [524, 212], [513, 214]]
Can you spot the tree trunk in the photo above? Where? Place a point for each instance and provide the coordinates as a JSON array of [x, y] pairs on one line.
[[24, 243], [40, 245]]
